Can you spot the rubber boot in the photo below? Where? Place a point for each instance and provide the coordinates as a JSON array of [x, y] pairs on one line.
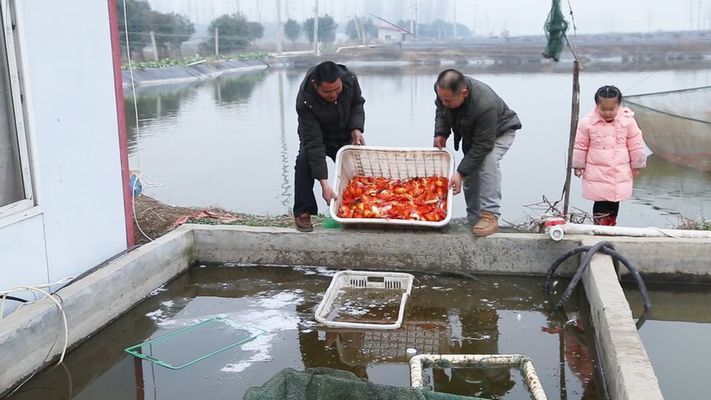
[[604, 219]]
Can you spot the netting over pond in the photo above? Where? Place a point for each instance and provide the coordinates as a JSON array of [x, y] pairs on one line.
[[676, 124]]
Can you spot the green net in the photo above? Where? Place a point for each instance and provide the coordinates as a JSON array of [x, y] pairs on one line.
[[326, 383], [555, 28]]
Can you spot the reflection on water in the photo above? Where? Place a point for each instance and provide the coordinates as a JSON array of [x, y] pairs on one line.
[[152, 104], [674, 190], [285, 165], [232, 141], [489, 315], [230, 90], [676, 336]]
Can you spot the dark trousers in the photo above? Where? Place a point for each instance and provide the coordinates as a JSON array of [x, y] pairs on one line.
[[304, 199], [605, 212]]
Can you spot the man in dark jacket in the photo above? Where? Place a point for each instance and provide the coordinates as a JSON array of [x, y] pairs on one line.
[[486, 126], [331, 115]]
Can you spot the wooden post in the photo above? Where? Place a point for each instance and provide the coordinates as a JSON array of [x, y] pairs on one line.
[[574, 115]]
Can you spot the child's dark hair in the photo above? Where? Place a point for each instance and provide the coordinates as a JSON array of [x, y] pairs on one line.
[[608, 92], [452, 80], [327, 71]]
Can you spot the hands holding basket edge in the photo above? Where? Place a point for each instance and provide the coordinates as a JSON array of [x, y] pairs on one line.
[[455, 182]]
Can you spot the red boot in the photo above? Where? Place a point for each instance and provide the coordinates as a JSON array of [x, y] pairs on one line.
[[604, 219]]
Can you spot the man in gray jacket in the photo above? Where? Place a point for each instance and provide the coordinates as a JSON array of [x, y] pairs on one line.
[[486, 127], [331, 115]]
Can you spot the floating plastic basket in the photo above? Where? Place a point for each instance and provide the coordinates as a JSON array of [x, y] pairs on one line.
[[351, 286], [392, 163]]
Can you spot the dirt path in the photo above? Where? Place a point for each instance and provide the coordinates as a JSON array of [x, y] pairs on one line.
[[156, 218]]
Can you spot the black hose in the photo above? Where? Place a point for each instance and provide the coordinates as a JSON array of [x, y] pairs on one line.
[[558, 261], [13, 298], [584, 263], [602, 247]]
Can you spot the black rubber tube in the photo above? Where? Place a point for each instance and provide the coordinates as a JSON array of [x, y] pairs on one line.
[[558, 261], [13, 298], [579, 273], [605, 248]]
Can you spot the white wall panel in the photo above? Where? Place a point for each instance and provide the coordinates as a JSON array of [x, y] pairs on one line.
[[71, 113], [22, 254]]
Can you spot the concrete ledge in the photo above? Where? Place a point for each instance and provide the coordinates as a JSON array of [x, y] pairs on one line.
[[89, 304], [667, 259], [628, 372], [451, 251]]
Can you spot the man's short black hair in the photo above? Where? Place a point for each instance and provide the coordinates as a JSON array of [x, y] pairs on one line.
[[452, 80], [327, 71]]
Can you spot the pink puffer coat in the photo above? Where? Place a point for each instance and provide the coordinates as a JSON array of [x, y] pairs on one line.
[[608, 151]]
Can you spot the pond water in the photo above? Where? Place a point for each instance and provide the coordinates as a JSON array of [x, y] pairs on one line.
[[676, 336], [483, 315], [231, 142]]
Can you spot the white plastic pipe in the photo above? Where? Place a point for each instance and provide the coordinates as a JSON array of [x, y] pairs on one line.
[[521, 362], [559, 231]]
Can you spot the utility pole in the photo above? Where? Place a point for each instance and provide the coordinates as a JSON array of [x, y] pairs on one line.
[[475, 20], [454, 19], [359, 30], [413, 20], [153, 45], [417, 19], [280, 29], [217, 42], [316, 49]]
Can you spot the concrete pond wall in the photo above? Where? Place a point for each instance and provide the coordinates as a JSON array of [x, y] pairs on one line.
[[102, 296]]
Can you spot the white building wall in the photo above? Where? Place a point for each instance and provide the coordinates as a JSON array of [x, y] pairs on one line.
[[70, 106], [22, 252]]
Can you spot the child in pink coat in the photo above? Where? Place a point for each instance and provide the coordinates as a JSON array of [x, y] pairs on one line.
[[608, 154]]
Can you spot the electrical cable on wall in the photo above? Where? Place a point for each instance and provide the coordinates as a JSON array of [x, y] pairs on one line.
[[57, 300]]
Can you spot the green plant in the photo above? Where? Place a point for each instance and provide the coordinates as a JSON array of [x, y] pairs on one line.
[[176, 62], [694, 224]]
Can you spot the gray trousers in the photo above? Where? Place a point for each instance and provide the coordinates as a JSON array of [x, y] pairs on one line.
[[482, 189]]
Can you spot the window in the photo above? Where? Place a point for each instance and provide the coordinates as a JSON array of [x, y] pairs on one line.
[[15, 183]]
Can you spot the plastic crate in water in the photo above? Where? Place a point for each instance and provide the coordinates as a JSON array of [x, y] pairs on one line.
[[392, 163], [400, 284]]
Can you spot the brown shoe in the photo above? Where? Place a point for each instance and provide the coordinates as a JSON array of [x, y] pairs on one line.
[[303, 222], [487, 225]]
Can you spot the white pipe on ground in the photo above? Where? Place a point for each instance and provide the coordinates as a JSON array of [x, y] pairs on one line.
[[557, 232]]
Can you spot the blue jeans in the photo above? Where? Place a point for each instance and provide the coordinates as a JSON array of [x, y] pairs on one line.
[[482, 189]]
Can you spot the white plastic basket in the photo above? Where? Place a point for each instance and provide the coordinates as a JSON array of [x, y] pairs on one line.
[[393, 163], [368, 280]]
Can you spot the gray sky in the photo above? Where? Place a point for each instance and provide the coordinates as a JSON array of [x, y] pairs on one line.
[[519, 17]]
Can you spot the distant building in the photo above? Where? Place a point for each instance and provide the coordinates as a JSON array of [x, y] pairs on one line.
[[391, 33]]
